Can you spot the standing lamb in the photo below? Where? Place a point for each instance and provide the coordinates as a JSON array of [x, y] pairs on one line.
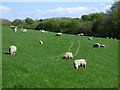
[[80, 63], [68, 55], [12, 50]]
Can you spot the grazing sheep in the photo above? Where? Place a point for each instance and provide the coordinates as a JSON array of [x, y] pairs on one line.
[[96, 45], [80, 63], [24, 30], [107, 37], [58, 34], [41, 42], [90, 38], [102, 45], [68, 55], [12, 50]]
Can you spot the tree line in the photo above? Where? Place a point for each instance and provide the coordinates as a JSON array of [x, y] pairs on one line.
[[94, 24]]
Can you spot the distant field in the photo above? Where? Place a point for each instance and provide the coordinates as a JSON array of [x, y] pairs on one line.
[[43, 66]]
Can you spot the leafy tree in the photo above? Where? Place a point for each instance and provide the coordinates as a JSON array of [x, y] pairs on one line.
[[84, 17], [18, 23], [29, 21]]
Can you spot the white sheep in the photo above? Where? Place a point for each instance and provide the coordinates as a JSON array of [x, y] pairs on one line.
[[15, 29], [12, 50], [24, 30], [78, 34], [68, 55], [90, 38], [96, 45], [41, 42], [80, 63], [43, 31], [81, 34], [58, 34], [12, 26], [102, 45]]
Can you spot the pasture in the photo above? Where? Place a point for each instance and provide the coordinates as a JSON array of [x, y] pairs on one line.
[[43, 66]]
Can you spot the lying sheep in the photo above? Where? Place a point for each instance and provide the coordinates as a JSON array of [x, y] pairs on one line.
[[78, 34], [90, 38], [43, 31], [81, 34], [41, 42], [12, 50], [80, 63], [102, 45], [68, 55], [96, 45], [58, 34], [24, 30]]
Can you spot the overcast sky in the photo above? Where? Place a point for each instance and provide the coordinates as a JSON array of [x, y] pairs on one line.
[[42, 10]]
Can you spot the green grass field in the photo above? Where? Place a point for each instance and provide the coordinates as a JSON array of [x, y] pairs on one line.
[[43, 66]]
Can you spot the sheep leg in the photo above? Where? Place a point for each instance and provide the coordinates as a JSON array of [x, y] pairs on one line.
[[84, 66], [13, 53], [76, 66]]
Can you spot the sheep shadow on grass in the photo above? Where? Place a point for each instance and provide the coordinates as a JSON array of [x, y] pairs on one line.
[[7, 53]]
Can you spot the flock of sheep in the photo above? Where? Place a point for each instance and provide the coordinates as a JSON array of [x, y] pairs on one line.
[[68, 55]]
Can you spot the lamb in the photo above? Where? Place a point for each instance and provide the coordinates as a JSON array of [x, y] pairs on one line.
[[96, 45], [80, 63], [58, 34], [68, 55], [41, 42], [12, 49]]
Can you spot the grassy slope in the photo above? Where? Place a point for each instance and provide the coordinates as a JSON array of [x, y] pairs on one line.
[[0, 57], [42, 65]]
